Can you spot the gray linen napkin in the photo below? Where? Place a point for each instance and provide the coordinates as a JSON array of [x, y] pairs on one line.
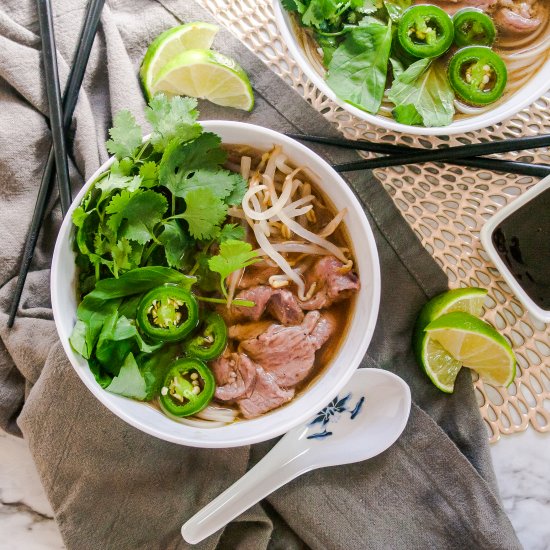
[[113, 487]]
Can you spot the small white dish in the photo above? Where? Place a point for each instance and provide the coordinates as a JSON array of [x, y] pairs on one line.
[[364, 420], [529, 92], [308, 402], [486, 239]]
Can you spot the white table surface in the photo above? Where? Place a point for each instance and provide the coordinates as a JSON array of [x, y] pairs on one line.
[[522, 465]]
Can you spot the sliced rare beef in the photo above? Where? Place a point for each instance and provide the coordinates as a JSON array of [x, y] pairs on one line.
[[248, 330], [257, 274], [510, 16], [452, 6], [241, 381], [267, 395], [288, 352], [284, 307], [280, 303], [333, 283], [260, 295], [520, 16], [235, 376]]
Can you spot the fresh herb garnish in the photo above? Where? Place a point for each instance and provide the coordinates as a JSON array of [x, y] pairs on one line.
[[154, 218], [359, 43], [422, 95], [233, 255], [358, 69], [159, 196]]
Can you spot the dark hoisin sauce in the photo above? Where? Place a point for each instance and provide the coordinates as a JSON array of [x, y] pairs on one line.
[[523, 242]]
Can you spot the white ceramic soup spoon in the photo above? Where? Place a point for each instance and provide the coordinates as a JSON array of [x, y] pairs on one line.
[[366, 418]]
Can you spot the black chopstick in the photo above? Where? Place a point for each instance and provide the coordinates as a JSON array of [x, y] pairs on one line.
[[459, 155], [53, 91], [70, 97], [506, 166]]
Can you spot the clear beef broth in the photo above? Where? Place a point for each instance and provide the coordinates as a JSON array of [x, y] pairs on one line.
[[341, 311]]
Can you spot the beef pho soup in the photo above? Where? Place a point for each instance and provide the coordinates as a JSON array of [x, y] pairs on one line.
[[302, 290], [215, 282], [436, 60]]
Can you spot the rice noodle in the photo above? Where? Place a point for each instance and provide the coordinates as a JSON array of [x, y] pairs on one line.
[[217, 414], [193, 421]]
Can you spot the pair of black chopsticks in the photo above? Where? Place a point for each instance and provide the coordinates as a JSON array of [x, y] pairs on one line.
[[61, 114], [462, 155]]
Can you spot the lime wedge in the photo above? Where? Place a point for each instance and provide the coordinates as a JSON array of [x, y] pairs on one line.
[[469, 300], [472, 343], [207, 75], [169, 44]]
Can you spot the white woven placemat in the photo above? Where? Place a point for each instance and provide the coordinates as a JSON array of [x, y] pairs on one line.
[[446, 206]]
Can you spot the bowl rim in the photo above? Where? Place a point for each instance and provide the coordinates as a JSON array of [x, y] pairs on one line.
[[487, 230], [116, 407], [514, 104]]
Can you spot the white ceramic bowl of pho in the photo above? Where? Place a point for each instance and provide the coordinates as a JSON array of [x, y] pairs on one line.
[[333, 375], [529, 81]]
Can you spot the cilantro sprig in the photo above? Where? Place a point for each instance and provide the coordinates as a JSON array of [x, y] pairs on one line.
[[157, 216], [160, 196], [233, 255]]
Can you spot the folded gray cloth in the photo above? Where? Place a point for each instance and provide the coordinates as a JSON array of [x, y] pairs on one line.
[[113, 487]]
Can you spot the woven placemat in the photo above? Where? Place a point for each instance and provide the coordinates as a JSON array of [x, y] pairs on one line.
[[446, 206]]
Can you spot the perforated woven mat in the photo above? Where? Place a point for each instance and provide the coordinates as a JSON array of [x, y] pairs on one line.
[[446, 206]]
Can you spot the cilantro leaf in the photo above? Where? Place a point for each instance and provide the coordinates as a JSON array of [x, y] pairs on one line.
[[122, 167], [149, 173], [231, 231], [319, 11], [236, 196], [125, 135], [290, 5], [121, 255], [79, 215], [116, 208], [177, 243], [175, 118], [182, 159], [233, 255], [204, 213], [115, 181], [220, 182], [141, 210]]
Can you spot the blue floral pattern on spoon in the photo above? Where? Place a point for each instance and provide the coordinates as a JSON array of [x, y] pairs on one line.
[[332, 413]]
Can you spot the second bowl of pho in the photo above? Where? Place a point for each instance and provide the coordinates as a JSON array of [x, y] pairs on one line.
[[419, 67], [292, 323]]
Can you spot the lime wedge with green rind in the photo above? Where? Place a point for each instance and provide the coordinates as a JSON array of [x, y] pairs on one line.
[[469, 300], [474, 344], [171, 43], [206, 74]]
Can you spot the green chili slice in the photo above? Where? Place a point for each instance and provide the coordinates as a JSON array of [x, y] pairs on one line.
[[188, 387], [167, 313], [473, 27], [478, 75], [211, 340], [425, 31]]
